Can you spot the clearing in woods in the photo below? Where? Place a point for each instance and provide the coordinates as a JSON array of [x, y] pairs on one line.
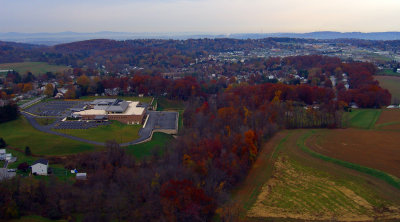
[[287, 183], [36, 68]]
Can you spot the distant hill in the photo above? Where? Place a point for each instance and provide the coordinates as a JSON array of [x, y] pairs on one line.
[[66, 37], [327, 35]]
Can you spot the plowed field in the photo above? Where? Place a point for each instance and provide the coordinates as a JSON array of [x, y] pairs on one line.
[[371, 148]]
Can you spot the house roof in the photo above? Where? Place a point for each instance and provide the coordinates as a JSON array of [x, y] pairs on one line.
[[42, 161]]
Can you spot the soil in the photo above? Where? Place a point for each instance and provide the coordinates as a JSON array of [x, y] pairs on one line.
[[388, 116], [371, 148]]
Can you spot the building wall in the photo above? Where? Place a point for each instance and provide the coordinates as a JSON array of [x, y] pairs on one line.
[[131, 119], [39, 169]]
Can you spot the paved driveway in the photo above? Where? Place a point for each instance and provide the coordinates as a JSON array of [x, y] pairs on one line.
[[157, 121]]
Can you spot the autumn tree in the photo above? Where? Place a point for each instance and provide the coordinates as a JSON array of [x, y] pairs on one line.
[[49, 90], [83, 81]]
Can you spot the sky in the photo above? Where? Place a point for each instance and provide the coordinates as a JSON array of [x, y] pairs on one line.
[[200, 16]]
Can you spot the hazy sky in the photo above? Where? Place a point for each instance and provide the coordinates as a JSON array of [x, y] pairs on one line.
[[217, 16]]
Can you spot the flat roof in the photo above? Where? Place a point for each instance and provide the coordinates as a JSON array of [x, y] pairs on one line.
[[90, 112], [131, 110]]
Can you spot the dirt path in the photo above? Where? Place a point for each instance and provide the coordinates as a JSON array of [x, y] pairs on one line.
[[258, 174]]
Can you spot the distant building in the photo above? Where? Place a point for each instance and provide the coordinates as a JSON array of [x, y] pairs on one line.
[[81, 176], [113, 109], [40, 167], [2, 154]]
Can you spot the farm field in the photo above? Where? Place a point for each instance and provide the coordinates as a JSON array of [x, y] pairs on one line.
[[117, 131], [362, 118], [127, 98], [389, 120], [372, 148], [388, 72], [19, 134], [35, 67], [287, 183], [391, 83], [143, 150]]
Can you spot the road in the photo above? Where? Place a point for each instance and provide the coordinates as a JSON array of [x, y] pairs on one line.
[[23, 106]]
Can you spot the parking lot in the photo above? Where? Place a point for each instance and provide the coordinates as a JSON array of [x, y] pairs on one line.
[[157, 121], [55, 108], [79, 125]]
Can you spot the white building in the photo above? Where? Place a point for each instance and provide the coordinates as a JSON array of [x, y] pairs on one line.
[[81, 176], [40, 167], [8, 156], [2, 154]]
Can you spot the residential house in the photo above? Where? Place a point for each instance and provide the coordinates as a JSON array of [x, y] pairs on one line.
[[2, 154], [40, 167]]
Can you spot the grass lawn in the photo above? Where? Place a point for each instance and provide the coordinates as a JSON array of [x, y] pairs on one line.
[[388, 72], [127, 98], [25, 101], [19, 134], [362, 118], [117, 131], [166, 104], [45, 121], [391, 83], [21, 157], [35, 67], [145, 149]]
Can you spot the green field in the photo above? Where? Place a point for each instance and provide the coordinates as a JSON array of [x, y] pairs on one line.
[[391, 83], [19, 134], [387, 72], [143, 150], [35, 67], [166, 104], [304, 188], [117, 131], [362, 118], [45, 121], [127, 98]]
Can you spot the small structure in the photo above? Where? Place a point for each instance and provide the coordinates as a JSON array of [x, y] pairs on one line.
[[2, 154], [40, 167], [81, 176], [8, 156]]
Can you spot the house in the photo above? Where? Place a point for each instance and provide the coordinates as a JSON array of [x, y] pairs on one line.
[[2, 154], [8, 156], [40, 167]]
